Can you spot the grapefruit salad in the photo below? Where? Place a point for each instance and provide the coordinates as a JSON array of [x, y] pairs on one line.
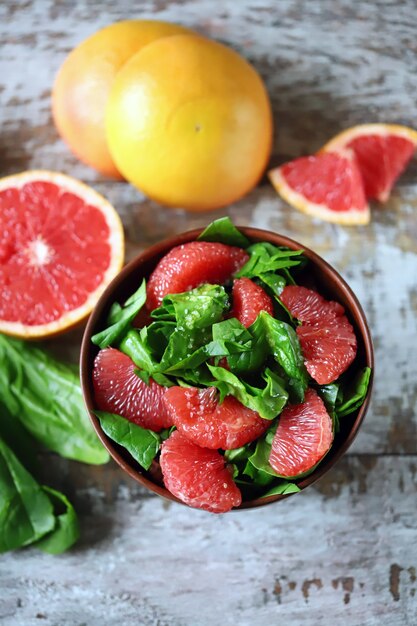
[[224, 376]]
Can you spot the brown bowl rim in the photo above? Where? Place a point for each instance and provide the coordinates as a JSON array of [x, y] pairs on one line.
[[155, 251]]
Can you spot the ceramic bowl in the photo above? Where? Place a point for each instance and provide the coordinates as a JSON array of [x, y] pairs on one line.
[[318, 274]]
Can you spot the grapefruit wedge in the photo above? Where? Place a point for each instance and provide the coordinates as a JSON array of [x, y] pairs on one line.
[[198, 416], [190, 265], [303, 436], [198, 476], [61, 243], [327, 339], [117, 389], [249, 299], [382, 152], [327, 185]]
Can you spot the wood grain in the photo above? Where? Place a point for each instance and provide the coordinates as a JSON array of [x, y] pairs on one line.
[[339, 553], [345, 551]]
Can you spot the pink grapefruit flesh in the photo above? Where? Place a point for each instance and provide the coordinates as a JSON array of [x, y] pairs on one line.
[[198, 476], [303, 436], [199, 417], [190, 265]]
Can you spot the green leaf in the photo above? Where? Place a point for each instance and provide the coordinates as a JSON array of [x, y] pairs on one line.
[[355, 394], [238, 454], [266, 258], [45, 396], [259, 477], [285, 348], [260, 458], [198, 308], [282, 488], [267, 401], [252, 359], [120, 318], [330, 394], [66, 530], [26, 513], [17, 437], [141, 443], [275, 282], [224, 231]]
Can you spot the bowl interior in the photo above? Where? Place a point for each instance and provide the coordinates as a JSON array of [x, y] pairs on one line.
[[317, 274]]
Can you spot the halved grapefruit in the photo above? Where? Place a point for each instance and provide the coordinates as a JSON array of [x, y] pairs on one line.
[[303, 436], [198, 476], [382, 152], [327, 185], [117, 389], [198, 416], [61, 243], [190, 265]]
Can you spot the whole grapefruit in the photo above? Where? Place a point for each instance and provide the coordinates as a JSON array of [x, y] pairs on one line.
[[83, 84], [189, 123]]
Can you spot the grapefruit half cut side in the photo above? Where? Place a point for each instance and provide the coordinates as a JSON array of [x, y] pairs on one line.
[[382, 151], [326, 185], [61, 243]]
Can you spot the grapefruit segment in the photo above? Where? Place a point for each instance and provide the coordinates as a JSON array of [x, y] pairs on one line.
[[117, 389], [327, 339], [190, 265], [303, 436], [327, 185], [61, 243], [198, 476], [382, 152], [199, 417], [309, 306], [249, 299]]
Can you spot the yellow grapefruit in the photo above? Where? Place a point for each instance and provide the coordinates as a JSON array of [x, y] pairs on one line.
[[189, 123], [84, 80]]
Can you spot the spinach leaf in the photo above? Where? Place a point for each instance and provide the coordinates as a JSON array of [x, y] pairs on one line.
[[224, 231], [120, 318], [66, 531], [285, 348], [282, 488], [260, 458], [275, 282], [45, 396], [141, 443], [16, 436], [198, 308], [26, 513], [259, 477], [253, 358], [266, 258], [354, 395], [238, 454], [268, 401]]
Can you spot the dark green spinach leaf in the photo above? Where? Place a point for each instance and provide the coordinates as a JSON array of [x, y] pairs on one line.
[[66, 530], [266, 258], [267, 401], [120, 319], [45, 396], [141, 443], [26, 513], [355, 394], [224, 231]]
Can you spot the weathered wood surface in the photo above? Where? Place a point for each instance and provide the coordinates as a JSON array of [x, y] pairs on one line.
[[345, 551]]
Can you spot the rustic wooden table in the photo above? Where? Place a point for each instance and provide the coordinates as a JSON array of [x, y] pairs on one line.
[[344, 551]]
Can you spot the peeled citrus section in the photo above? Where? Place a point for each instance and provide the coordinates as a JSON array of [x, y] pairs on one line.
[[83, 84], [326, 185], [190, 265], [198, 416], [327, 339], [198, 476], [61, 244], [303, 436], [117, 389], [189, 123], [382, 152]]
